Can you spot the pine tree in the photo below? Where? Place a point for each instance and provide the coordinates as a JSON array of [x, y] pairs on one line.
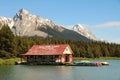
[[6, 40]]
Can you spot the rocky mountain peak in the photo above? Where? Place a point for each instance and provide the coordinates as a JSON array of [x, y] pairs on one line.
[[24, 15], [21, 14], [81, 29], [23, 11], [29, 24]]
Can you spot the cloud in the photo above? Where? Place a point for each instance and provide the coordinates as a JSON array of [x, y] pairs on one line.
[[109, 24]]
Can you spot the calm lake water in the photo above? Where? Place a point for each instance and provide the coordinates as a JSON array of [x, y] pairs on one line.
[[30, 72]]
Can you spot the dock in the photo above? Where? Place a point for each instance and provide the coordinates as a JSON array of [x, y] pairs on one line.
[[67, 64]]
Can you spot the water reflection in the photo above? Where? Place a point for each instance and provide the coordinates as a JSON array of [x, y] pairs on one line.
[[6, 72], [27, 72], [43, 73]]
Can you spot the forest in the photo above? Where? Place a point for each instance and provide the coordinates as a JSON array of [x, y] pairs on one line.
[[13, 46]]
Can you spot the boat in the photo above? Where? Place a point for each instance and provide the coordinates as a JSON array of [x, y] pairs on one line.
[[104, 63], [98, 63], [84, 61]]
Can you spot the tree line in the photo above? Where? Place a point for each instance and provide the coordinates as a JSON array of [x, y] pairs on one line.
[[14, 46]]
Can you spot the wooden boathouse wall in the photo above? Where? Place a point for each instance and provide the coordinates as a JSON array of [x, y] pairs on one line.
[[49, 54]]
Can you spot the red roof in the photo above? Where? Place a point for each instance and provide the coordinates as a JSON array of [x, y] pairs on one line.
[[47, 49]]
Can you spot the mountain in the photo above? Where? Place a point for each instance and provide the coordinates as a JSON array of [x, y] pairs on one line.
[[84, 31], [4, 21], [27, 24]]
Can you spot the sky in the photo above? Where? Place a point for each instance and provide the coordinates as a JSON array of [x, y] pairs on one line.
[[101, 17]]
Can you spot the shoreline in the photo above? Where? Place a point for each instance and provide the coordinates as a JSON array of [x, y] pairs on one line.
[[101, 58], [12, 61]]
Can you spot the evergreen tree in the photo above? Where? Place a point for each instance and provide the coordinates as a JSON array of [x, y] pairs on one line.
[[11, 45], [105, 52], [89, 53], [6, 40]]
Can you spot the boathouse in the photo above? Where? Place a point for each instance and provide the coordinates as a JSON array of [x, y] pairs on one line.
[[49, 54]]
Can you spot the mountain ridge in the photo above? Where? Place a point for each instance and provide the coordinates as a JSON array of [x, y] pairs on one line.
[[27, 24]]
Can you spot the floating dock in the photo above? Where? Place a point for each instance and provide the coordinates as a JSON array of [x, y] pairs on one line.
[[67, 64]]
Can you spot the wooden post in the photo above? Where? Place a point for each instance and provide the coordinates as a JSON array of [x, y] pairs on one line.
[[21, 59]]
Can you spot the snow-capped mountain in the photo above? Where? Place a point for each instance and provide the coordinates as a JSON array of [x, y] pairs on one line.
[[81, 29], [4, 21], [27, 24]]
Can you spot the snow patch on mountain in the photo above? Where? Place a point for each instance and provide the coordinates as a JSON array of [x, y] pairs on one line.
[[84, 31], [6, 21]]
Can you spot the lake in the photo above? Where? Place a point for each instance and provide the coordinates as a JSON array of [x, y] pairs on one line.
[[38, 72]]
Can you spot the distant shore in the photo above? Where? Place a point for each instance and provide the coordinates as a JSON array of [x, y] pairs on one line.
[[12, 61], [101, 58]]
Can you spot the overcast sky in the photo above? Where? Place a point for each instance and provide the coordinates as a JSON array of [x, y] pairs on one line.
[[102, 17]]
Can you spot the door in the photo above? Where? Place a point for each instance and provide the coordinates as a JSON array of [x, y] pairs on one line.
[[67, 58]]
